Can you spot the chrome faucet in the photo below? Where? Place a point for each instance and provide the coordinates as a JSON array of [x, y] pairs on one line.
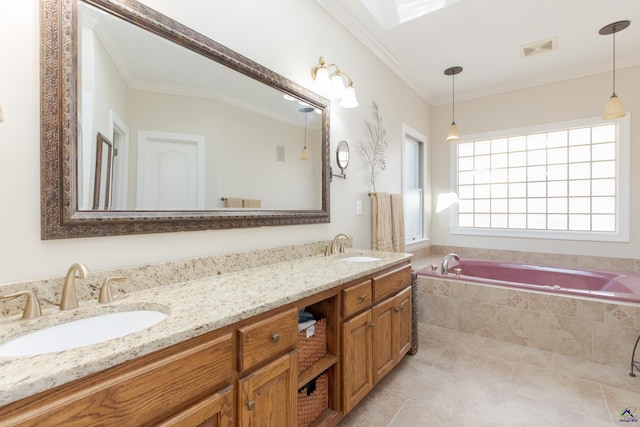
[[444, 269], [69, 299], [331, 248]]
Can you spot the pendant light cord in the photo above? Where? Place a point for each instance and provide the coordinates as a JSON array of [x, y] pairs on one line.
[[614, 62], [305, 129], [453, 98]]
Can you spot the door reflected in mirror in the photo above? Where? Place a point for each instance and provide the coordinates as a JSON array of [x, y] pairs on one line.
[[102, 182]]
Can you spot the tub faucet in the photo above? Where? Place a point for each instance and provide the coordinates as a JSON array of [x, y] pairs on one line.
[[332, 249], [444, 269], [69, 299]]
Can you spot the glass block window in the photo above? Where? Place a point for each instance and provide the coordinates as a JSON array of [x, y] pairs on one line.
[[563, 180]]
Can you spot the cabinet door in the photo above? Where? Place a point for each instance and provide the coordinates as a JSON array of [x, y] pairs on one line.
[[357, 356], [403, 322], [385, 348], [213, 411], [267, 397]]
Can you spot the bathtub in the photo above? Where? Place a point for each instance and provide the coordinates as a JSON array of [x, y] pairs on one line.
[[572, 281]]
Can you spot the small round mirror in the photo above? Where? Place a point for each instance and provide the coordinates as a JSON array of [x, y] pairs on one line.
[[342, 155]]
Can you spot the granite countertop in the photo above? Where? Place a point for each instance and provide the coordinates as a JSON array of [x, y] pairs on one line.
[[193, 307]]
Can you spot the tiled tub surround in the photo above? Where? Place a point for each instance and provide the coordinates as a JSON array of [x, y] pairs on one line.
[[148, 276], [194, 307], [585, 328], [578, 282]]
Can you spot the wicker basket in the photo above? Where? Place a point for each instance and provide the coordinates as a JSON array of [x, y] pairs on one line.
[[311, 349], [311, 406]]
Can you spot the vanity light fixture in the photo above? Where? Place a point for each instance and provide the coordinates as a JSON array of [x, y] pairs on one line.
[[332, 84], [453, 134], [613, 109], [305, 152]]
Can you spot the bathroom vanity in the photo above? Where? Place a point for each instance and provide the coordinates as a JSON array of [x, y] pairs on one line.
[[227, 354]]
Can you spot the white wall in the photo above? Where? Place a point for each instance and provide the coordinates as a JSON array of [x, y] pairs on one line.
[[572, 99], [240, 160], [286, 36]]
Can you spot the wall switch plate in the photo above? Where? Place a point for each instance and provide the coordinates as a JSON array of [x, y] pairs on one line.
[[358, 207]]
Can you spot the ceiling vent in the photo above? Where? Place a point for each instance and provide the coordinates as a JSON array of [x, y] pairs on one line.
[[542, 46]]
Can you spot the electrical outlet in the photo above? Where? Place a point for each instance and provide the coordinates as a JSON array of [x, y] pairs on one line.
[[358, 207]]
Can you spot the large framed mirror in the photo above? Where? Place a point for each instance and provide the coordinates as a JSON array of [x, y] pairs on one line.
[[200, 136]]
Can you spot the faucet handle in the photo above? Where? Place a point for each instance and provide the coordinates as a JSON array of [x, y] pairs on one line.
[[31, 308], [105, 290]]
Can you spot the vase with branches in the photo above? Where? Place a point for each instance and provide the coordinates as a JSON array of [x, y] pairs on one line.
[[373, 148]]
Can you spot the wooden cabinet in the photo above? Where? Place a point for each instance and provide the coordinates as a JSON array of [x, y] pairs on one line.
[[213, 411], [374, 341], [245, 374], [403, 309], [268, 369], [151, 389], [385, 354], [267, 397], [356, 298], [357, 359], [262, 340]]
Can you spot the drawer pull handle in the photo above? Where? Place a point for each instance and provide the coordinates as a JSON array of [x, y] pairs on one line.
[[275, 337], [251, 405], [372, 324], [397, 310], [362, 298]]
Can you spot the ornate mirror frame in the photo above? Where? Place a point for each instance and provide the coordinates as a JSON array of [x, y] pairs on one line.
[[60, 216]]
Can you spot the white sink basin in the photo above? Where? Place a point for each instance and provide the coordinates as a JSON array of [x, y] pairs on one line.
[[360, 258], [81, 332]]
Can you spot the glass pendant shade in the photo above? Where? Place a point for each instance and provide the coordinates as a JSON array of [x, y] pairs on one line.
[[305, 154], [613, 109], [453, 134]]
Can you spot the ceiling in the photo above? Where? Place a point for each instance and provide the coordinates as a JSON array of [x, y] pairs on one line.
[[485, 38]]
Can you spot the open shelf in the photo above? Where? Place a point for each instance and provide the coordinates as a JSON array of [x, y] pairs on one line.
[[327, 361]]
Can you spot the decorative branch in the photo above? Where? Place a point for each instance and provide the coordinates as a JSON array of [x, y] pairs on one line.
[[372, 150]]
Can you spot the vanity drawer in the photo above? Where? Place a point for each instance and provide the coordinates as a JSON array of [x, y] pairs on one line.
[[267, 338], [356, 298], [391, 282]]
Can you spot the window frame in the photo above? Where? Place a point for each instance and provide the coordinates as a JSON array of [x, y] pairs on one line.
[[623, 184], [414, 135]]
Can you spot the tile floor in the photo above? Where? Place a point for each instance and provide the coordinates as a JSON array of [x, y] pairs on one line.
[[460, 379]]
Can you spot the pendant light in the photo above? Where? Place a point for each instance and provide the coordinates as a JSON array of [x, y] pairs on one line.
[[305, 152], [613, 109], [453, 134]]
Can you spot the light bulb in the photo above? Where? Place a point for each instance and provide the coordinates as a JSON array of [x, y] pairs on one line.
[[349, 99]]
